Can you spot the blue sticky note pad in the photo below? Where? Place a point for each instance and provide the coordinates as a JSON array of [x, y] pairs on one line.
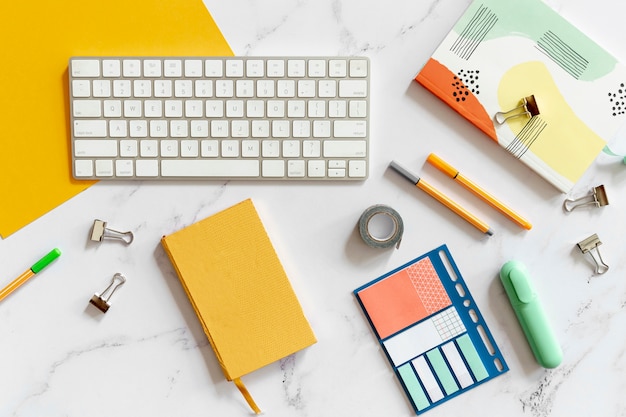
[[431, 330]]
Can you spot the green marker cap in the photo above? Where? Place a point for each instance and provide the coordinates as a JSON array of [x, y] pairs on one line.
[[46, 260]]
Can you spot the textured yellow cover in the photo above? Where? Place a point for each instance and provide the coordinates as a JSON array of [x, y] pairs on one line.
[[38, 40], [239, 290]]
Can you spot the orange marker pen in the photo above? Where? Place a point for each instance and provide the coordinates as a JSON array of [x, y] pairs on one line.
[[454, 173]]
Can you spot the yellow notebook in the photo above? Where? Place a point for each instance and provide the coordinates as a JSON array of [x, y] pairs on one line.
[[239, 290], [40, 37]]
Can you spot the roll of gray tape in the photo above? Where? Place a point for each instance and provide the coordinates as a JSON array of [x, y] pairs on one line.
[[381, 226]]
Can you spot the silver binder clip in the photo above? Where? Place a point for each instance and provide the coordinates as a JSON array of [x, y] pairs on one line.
[[99, 231], [527, 108], [597, 197], [590, 246], [102, 303]]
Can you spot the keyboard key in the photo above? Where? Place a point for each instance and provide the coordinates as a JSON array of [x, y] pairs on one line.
[[128, 148], [189, 148], [169, 148], [234, 68], [291, 149], [344, 148], [317, 68], [270, 148], [95, 148], [193, 68], [250, 148], [311, 148], [83, 168], [286, 88], [152, 68], [148, 148], [316, 168], [102, 88], [87, 108], [81, 88], [173, 68], [209, 148], [350, 128], [296, 168], [337, 68], [275, 68], [112, 108], [204, 88], [306, 88], [358, 68], [111, 68], [255, 68], [118, 128], [197, 168], [273, 168], [162, 88], [147, 167], [213, 68], [336, 172], [352, 88], [142, 88], [121, 88], [296, 68], [183, 88], [124, 168], [85, 68], [131, 68], [357, 169], [104, 168], [230, 148], [90, 128]]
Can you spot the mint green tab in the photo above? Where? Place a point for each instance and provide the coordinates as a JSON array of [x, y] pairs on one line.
[[472, 357], [413, 386], [442, 371], [46, 260]]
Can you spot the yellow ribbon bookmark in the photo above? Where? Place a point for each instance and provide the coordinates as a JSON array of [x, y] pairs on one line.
[[244, 391]]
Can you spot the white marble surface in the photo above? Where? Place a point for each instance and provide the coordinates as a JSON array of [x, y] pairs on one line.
[[148, 355]]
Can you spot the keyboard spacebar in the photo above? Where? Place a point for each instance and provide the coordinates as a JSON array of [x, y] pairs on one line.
[[209, 168]]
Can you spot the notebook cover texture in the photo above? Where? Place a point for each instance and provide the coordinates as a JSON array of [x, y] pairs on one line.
[[40, 37], [239, 290], [500, 52]]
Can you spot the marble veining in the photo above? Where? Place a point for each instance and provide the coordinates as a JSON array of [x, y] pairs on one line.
[[149, 356]]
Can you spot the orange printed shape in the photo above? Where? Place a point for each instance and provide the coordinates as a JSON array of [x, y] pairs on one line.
[[442, 82], [404, 298]]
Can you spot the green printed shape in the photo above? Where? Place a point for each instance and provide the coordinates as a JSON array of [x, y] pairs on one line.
[[442, 371], [532, 19], [472, 357], [413, 386]]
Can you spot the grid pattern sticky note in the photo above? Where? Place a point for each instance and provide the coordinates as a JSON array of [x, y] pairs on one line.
[[430, 329]]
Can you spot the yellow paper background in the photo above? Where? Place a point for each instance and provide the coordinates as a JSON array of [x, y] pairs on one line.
[[38, 38]]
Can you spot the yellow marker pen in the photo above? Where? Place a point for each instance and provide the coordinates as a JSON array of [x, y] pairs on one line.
[[442, 198], [38, 266], [454, 173]]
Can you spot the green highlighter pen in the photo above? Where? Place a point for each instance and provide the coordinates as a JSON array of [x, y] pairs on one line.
[[38, 266], [530, 314]]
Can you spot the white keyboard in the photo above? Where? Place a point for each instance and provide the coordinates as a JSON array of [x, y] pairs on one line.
[[265, 118]]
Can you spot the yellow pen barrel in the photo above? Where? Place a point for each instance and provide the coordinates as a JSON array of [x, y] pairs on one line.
[[443, 199], [15, 284], [489, 199]]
